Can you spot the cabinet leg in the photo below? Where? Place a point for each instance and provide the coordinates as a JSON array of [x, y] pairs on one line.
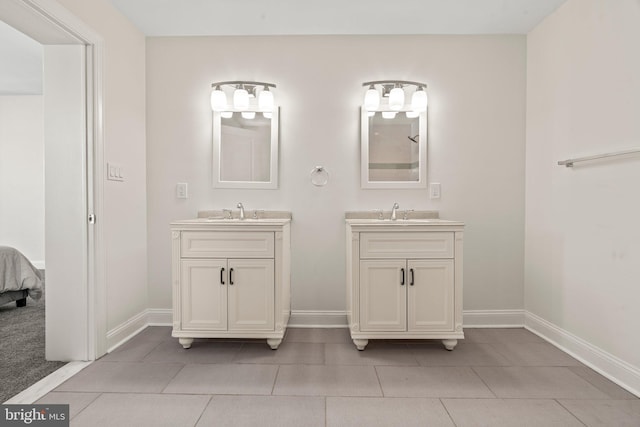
[[360, 344], [274, 343], [185, 342], [450, 344]]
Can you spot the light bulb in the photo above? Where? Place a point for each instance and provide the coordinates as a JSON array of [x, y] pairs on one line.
[[389, 114], [248, 115], [226, 114], [240, 99], [412, 114], [265, 100], [218, 99], [419, 100], [396, 98], [371, 99]]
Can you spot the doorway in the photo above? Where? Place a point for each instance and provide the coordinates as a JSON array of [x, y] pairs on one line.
[[75, 302]]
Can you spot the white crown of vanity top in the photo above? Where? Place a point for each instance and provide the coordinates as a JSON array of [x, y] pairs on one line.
[[403, 217], [252, 216]]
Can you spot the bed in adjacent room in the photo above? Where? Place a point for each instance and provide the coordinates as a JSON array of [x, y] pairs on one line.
[[19, 279]]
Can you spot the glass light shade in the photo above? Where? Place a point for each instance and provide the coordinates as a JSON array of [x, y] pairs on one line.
[[240, 99], [396, 98], [371, 99], [371, 113], [218, 100], [389, 114], [248, 115], [267, 115], [265, 100], [419, 100], [412, 114], [226, 114]]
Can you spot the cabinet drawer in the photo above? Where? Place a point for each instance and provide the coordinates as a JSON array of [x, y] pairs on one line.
[[226, 244], [406, 245]]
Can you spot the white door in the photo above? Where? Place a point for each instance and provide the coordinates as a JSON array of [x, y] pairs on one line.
[[203, 294], [430, 295], [251, 294], [383, 292]]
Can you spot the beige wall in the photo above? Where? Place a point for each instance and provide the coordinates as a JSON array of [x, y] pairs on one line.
[[476, 148], [582, 237], [125, 220]]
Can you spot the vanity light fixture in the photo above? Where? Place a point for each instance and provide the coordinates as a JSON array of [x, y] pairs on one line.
[[372, 98], [395, 92], [243, 95]]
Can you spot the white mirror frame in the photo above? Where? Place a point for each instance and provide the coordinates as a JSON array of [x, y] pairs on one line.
[[273, 177], [364, 154]]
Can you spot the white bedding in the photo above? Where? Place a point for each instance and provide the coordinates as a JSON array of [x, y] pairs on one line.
[[17, 273]]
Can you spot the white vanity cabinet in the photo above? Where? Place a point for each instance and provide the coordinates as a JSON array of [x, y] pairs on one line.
[[404, 280], [231, 279]]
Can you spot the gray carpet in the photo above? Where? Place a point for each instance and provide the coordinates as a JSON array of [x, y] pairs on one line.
[[22, 362]]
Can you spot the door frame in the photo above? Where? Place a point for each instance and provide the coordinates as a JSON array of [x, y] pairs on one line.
[[45, 17]]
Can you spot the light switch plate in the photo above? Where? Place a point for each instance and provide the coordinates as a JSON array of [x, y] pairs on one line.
[[182, 190], [434, 190], [115, 172]]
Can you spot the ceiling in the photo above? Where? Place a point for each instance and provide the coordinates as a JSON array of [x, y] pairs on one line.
[[301, 17], [21, 67]]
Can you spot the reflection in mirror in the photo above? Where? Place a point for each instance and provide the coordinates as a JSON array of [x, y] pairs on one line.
[[245, 149], [393, 149]]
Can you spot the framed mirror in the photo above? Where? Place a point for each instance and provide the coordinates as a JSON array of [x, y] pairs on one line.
[[393, 149], [245, 149]]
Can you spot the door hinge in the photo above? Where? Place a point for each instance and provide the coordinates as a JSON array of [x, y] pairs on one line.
[[92, 219]]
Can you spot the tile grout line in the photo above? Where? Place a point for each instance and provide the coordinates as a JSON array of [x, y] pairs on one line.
[[375, 369], [275, 379], [172, 378], [568, 410], [83, 409], [203, 410], [447, 411], [483, 382]]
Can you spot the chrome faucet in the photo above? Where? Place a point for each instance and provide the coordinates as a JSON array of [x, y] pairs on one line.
[[393, 211], [241, 210]]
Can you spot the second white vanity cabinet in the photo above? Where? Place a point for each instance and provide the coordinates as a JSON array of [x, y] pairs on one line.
[[404, 280], [231, 279]]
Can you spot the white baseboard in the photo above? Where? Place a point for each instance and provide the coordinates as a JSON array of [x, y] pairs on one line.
[[493, 318], [159, 317], [620, 372], [471, 319], [126, 330], [318, 319]]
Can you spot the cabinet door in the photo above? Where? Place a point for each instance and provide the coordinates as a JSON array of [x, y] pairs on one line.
[[203, 296], [430, 295], [383, 304], [251, 294]]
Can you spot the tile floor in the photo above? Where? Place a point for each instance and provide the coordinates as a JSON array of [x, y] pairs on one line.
[[495, 377]]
